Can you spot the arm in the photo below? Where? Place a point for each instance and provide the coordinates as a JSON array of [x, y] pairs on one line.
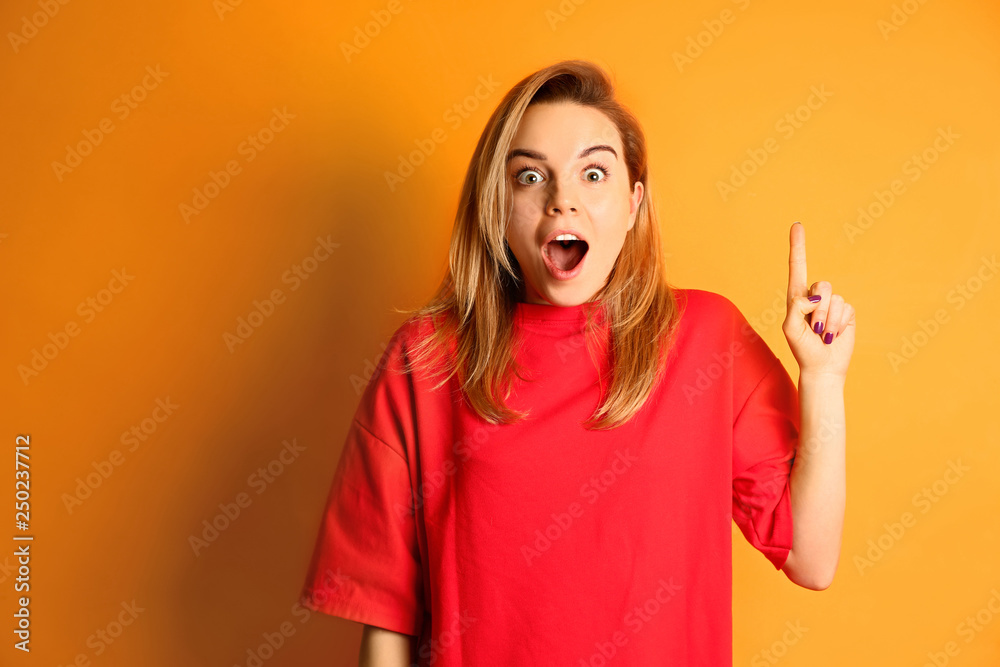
[[384, 648], [819, 327], [817, 483]]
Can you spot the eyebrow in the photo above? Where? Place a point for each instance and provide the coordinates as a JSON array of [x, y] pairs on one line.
[[535, 155]]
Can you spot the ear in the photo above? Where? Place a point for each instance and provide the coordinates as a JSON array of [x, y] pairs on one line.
[[634, 200]]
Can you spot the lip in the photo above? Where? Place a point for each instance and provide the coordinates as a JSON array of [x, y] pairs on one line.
[[555, 271]]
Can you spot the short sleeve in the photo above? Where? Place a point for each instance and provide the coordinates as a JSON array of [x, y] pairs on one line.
[[765, 436], [366, 564]]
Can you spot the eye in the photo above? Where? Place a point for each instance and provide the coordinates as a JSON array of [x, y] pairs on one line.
[[528, 171], [599, 169]]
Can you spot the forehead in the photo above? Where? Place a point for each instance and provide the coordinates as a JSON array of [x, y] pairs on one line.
[[561, 130]]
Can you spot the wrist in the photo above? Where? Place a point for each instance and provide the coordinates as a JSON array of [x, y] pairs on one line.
[[820, 377]]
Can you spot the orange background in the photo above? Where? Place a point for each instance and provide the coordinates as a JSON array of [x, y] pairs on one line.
[[161, 336]]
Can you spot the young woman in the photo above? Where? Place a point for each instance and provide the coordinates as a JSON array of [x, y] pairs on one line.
[[545, 467]]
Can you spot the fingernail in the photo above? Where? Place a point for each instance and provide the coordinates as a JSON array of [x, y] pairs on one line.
[[818, 327], [815, 297], [828, 338]]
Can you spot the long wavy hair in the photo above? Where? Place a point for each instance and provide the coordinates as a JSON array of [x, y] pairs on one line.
[[474, 307]]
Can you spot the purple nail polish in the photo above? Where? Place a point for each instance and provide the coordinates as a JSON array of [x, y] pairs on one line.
[[815, 297], [818, 327], [828, 338]]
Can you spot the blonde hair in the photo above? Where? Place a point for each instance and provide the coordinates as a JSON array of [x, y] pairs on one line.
[[474, 306]]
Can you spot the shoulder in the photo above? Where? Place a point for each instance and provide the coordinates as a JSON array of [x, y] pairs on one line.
[[408, 338], [716, 320], [707, 306], [386, 407], [416, 330]]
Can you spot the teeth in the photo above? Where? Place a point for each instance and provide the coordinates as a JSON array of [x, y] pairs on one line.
[[566, 237]]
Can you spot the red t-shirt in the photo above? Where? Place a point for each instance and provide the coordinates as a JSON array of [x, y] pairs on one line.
[[543, 543]]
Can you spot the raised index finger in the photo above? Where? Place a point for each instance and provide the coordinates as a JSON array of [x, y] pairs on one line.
[[797, 262]]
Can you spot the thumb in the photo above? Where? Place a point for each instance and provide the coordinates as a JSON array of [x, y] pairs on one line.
[[798, 308]]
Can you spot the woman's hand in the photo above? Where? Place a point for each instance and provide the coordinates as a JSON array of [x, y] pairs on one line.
[[820, 332]]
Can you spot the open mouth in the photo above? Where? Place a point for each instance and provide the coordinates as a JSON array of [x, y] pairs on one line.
[[566, 251]]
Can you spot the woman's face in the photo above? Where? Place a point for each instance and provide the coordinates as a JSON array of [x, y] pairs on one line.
[[568, 176]]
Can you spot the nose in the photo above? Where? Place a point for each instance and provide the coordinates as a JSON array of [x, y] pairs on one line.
[[561, 197]]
